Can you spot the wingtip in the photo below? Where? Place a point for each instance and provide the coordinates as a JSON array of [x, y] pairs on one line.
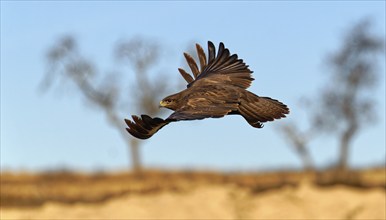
[[145, 117], [188, 56], [135, 117], [137, 134], [127, 121], [210, 44], [128, 130]]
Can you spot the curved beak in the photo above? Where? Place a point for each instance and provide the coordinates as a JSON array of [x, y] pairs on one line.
[[161, 104]]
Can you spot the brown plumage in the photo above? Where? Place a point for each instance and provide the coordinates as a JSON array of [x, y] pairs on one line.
[[217, 89]]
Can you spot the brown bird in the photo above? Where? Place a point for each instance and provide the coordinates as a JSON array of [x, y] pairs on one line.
[[217, 89]]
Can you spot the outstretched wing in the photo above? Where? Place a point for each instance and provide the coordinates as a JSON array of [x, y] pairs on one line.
[[205, 103], [145, 126], [222, 68]]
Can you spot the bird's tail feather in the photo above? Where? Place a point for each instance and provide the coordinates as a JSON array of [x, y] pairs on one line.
[[257, 110]]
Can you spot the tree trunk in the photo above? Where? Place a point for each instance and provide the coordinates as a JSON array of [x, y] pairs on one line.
[[301, 149], [299, 140], [307, 162], [132, 143], [344, 145], [135, 158], [343, 155]]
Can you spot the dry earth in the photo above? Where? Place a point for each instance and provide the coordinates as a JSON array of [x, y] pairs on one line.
[[197, 199]]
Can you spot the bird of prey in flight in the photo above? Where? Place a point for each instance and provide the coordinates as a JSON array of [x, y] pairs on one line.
[[217, 88]]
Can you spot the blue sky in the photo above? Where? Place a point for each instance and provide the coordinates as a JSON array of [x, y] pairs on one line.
[[285, 44]]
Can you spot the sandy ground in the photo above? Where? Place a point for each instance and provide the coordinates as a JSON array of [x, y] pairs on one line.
[[223, 202]]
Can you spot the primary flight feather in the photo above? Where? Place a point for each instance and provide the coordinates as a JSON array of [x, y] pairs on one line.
[[217, 88]]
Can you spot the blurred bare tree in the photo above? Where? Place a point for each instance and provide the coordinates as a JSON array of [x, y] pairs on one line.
[[110, 94], [346, 103], [299, 141]]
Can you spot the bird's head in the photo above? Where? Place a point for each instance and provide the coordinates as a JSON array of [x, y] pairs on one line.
[[170, 102]]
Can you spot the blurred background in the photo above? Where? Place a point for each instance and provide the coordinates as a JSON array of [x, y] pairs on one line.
[[72, 71]]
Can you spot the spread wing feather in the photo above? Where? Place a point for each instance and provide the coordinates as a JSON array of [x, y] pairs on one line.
[[145, 126], [201, 57], [211, 52], [225, 68], [192, 64], [186, 75]]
